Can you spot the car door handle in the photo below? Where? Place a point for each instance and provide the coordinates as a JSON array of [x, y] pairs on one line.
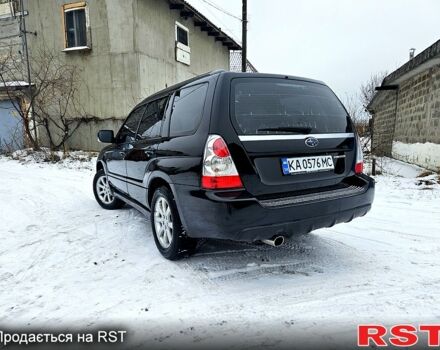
[[122, 154], [148, 152]]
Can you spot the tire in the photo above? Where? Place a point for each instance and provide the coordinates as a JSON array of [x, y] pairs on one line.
[[169, 235], [103, 193]]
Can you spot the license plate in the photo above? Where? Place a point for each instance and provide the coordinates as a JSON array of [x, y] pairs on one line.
[[306, 164]]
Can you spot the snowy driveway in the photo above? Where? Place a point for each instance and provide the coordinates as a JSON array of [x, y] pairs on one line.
[[66, 262]]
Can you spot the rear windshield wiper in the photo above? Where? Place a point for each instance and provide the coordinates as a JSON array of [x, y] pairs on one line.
[[297, 129]]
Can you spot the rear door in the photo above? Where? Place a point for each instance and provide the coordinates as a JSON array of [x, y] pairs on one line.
[[144, 149], [296, 134], [115, 157]]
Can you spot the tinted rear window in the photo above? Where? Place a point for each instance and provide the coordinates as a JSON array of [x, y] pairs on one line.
[[280, 106]]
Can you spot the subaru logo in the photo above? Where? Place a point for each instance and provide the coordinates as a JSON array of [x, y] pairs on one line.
[[311, 142]]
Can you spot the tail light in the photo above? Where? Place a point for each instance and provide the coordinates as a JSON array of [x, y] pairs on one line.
[[219, 171], [359, 165]]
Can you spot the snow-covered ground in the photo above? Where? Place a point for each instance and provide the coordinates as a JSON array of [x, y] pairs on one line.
[[67, 263]]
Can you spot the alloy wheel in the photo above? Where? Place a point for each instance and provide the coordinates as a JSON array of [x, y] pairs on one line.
[[104, 191], [163, 222]]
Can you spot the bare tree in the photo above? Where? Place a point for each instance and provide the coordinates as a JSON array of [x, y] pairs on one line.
[[354, 108], [12, 83], [367, 93], [368, 89], [54, 96], [360, 118], [356, 105]]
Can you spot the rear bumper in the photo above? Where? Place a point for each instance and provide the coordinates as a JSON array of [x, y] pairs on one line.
[[205, 215]]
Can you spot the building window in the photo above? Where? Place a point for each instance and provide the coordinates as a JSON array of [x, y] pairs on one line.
[[182, 44], [182, 35], [7, 9], [75, 26]]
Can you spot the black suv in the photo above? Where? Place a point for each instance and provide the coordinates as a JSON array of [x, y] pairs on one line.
[[241, 156]]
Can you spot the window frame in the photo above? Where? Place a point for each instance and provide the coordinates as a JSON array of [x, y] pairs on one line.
[[181, 26], [82, 5], [8, 10], [182, 51], [232, 107]]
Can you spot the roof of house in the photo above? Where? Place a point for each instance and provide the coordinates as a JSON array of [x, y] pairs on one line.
[[424, 60], [188, 11], [426, 55]]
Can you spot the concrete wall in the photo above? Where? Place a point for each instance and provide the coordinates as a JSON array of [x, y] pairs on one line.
[[155, 42], [417, 124], [9, 35], [132, 55], [109, 74], [11, 45]]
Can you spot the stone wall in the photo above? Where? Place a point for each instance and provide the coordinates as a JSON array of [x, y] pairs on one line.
[[383, 123], [419, 101], [416, 121]]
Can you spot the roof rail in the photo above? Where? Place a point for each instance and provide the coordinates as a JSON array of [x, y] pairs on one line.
[[182, 83], [215, 71]]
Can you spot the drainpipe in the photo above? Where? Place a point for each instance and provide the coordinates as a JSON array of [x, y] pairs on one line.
[[28, 66]]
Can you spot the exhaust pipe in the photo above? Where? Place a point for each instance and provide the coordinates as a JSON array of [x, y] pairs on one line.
[[274, 242]]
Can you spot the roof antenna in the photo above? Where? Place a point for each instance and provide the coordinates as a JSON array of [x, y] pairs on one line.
[[411, 53]]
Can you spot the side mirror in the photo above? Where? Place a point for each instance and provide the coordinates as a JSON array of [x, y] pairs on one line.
[[106, 136]]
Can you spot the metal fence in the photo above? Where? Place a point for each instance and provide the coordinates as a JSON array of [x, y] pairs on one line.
[[235, 63]]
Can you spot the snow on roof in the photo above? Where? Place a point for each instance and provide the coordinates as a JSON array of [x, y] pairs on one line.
[[424, 60], [14, 85]]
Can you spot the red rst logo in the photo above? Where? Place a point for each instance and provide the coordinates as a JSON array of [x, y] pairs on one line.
[[399, 335]]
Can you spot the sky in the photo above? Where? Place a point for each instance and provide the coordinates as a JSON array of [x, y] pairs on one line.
[[341, 42]]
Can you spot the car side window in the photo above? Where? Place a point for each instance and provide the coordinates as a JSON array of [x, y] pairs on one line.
[[128, 131], [151, 124], [187, 110]]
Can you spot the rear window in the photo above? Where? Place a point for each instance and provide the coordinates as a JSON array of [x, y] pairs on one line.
[[280, 106]]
